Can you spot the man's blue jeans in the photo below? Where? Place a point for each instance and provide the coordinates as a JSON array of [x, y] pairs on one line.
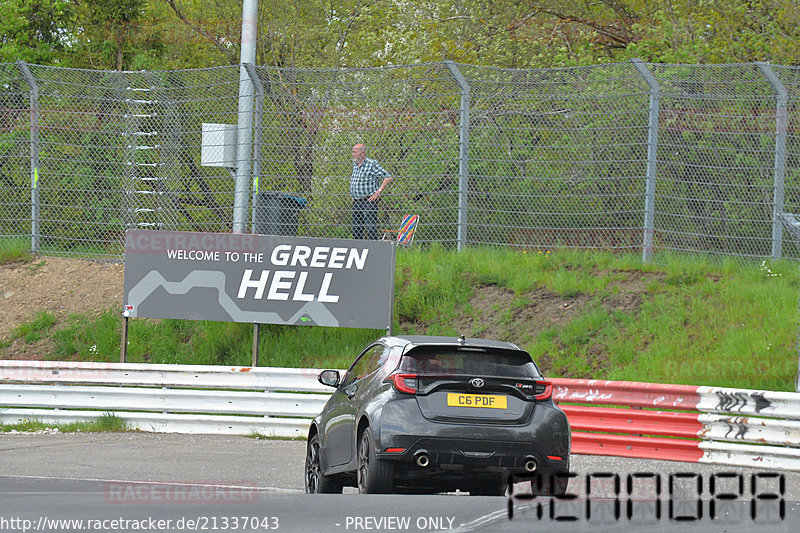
[[365, 218]]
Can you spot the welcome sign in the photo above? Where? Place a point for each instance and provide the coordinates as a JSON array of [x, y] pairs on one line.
[[265, 279]]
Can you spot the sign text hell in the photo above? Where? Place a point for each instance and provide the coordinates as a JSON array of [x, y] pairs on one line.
[[290, 284]]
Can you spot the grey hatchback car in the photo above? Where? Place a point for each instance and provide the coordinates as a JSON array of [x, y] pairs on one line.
[[436, 414]]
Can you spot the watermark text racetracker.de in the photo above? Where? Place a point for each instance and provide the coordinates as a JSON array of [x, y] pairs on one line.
[[120, 492], [12, 524]]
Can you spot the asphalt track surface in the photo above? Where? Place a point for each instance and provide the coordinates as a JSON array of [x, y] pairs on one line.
[[156, 482]]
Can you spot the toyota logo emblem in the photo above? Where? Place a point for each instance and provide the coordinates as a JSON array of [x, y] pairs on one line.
[[476, 382]]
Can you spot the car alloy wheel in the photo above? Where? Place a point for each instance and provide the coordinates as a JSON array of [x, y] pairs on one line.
[[316, 482], [312, 465], [374, 476]]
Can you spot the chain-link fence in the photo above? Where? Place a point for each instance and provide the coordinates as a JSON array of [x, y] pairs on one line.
[[646, 158]]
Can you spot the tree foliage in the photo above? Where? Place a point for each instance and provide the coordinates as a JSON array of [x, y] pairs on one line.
[[34, 30], [161, 34]]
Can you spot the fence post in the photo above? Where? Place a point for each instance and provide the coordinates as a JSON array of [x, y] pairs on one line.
[[779, 169], [652, 155], [463, 154], [34, 98], [244, 141], [259, 90]]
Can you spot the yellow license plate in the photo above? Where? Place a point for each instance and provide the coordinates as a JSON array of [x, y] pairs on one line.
[[486, 401]]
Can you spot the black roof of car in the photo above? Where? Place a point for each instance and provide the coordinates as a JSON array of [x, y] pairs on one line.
[[414, 341]]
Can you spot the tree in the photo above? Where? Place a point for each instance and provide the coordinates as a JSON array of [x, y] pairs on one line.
[[106, 31], [35, 31]]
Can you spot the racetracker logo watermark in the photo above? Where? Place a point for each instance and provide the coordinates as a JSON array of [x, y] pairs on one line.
[[158, 242], [181, 493]]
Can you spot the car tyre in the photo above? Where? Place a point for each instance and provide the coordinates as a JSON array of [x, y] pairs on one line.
[[316, 482], [490, 487], [374, 475]]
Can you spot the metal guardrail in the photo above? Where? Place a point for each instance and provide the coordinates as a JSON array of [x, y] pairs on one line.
[[164, 398], [625, 419], [682, 422]]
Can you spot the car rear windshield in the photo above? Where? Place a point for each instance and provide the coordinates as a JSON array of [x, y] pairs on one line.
[[473, 362]]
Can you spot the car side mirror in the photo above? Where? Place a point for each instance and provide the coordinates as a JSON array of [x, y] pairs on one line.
[[329, 378]]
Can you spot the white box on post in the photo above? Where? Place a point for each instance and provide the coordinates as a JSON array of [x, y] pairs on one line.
[[218, 147]]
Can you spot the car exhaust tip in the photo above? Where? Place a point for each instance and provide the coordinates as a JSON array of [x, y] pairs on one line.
[[422, 459], [530, 464]]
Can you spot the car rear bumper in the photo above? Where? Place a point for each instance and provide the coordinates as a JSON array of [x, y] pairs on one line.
[[406, 436], [469, 454]]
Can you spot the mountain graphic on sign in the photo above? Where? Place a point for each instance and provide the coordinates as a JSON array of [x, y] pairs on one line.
[[210, 279]]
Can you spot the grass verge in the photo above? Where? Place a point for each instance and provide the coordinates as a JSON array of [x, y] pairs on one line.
[[106, 423], [15, 251], [581, 315]]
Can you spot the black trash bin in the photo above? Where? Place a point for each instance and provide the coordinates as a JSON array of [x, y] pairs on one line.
[[277, 213]]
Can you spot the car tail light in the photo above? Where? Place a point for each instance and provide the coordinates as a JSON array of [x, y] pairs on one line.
[[404, 382], [543, 390]]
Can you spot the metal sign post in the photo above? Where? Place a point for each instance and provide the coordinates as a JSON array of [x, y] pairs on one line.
[[255, 344], [123, 349]]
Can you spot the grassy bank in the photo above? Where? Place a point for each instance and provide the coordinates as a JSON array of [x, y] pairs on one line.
[[581, 315], [105, 423]]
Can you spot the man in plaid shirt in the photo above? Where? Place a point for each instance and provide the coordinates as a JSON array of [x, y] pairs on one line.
[[367, 183]]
